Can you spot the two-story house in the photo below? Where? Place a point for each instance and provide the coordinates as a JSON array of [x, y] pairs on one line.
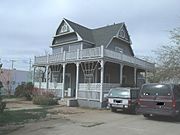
[[85, 63]]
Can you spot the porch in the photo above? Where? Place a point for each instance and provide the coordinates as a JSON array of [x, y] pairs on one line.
[[87, 81]]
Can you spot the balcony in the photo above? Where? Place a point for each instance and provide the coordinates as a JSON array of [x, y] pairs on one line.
[[92, 54]]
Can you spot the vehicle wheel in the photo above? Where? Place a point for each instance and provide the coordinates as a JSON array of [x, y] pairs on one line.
[[113, 109], [146, 115]]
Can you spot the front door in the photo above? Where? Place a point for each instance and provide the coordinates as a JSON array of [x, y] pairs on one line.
[[67, 85]]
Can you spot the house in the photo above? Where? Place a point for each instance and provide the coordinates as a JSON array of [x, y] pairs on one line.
[[12, 78], [85, 63]]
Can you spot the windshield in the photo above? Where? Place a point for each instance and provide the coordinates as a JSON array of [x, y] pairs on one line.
[[119, 93], [156, 90]]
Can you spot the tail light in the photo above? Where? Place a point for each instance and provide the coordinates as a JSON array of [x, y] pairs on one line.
[[174, 103]]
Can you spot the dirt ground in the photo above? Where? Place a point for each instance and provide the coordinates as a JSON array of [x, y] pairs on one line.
[[63, 120]]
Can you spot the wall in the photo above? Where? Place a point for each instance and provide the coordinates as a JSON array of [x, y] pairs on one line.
[[65, 38], [121, 44], [16, 77], [111, 73], [128, 76], [67, 47]]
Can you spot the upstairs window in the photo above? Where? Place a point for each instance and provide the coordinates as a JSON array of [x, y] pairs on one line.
[[118, 49]]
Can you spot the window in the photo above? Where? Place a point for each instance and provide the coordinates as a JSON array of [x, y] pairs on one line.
[[74, 47], [118, 49], [122, 34], [64, 28], [156, 90]]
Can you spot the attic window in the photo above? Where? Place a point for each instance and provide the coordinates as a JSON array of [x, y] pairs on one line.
[[64, 28], [122, 34]]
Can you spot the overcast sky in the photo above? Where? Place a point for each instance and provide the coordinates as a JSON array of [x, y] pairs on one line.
[[27, 26]]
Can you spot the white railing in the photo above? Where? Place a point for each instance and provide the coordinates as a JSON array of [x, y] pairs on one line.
[[71, 55], [53, 85], [40, 59], [90, 91], [108, 86], [55, 58], [92, 53], [41, 85], [128, 59], [55, 88]]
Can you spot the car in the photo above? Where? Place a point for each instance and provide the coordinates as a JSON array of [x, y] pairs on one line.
[[123, 98], [159, 99]]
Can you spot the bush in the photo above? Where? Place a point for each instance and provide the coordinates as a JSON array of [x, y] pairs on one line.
[[44, 100], [2, 106], [25, 90]]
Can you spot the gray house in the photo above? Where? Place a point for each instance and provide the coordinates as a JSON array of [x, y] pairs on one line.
[[85, 63]]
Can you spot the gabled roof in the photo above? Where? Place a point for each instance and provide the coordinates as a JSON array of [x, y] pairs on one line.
[[85, 33], [103, 35], [98, 36]]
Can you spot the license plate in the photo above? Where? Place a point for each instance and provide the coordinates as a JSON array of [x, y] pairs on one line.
[[115, 105]]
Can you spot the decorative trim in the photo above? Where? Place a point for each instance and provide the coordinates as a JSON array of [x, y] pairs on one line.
[[62, 34], [65, 43]]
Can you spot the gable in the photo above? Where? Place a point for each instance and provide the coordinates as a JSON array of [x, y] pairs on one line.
[[102, 36], [63, 28], [123, 34], [118, 45]]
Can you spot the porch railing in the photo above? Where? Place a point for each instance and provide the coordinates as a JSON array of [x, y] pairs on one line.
[[90, 91], [55, 88], [92, 53]]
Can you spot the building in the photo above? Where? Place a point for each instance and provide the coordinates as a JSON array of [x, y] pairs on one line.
[[12, 78], [85, 63]]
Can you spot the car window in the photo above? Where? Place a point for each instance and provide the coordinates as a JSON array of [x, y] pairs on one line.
[[119, 93], [156, 90]]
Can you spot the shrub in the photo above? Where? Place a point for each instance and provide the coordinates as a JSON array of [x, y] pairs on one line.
[[44, 100], [2, 106], [25, 90]]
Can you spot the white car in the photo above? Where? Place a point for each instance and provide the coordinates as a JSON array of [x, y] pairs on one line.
[[123, 98]]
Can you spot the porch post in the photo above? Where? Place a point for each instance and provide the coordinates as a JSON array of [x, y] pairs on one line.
[[145, 76], [47, 67], [102, 80], [135, 76], [102, 51], [121, 74], [47, 77], [33, 76], [63, 80], [77, 79]]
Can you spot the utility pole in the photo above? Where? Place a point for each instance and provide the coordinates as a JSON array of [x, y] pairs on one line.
[[12, 77], [12, 64], [30, 70]]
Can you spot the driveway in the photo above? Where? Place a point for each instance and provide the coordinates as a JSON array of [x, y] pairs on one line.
[[78, 121]]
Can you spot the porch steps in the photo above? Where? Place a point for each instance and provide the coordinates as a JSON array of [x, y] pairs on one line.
[[70, 102]]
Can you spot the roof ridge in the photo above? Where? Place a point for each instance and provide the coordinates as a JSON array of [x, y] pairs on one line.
[[108, 26], [77, 24]]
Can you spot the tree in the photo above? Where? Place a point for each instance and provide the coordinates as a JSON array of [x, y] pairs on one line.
[[168, 59], [2, 104]]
